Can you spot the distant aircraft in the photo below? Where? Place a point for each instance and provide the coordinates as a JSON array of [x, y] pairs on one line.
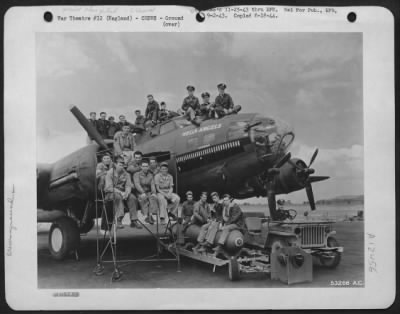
[[245, 155]]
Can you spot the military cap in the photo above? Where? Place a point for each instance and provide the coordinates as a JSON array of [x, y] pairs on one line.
[[137, 110], [164, 164], [190, 87], [111, 118], [281, 202], [189, 193], [149, 95], [221, 86], [205, 94]]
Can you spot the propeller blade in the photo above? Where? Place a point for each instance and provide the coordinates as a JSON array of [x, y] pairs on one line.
[[310, 196], [283, 160], [91, 131], [313, 158], [312, 179]]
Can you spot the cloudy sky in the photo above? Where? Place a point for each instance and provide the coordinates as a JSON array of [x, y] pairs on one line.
[[311, 80]]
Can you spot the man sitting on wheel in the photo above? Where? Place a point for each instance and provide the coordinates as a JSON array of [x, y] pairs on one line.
[[232, 217]]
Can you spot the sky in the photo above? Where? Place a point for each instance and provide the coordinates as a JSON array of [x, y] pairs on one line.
[[313, 81]]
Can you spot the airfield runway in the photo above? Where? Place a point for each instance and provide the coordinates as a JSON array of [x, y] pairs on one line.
[[134, 244]]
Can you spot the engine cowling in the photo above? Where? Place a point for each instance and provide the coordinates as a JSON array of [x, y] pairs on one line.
[[290, 179]]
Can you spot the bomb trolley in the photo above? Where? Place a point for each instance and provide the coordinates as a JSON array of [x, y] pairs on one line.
[[286, 249]]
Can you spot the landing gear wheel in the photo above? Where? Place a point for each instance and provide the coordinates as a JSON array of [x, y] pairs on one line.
[[86, 227], [334, 260], [117, 275], [64, 237], [234, 269]]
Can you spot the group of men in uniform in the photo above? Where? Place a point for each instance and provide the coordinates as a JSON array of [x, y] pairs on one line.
[[136, 182], [223, 105], [141, 183], [157, 113], [225, 215], [131, 182]]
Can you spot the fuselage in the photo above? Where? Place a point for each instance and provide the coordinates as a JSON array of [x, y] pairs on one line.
[[223, 155]]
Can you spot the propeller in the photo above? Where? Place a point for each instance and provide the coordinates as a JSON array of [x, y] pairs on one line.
[[91, 131], [303, 171]]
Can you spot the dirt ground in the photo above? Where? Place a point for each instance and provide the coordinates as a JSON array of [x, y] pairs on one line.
[[134, 244]]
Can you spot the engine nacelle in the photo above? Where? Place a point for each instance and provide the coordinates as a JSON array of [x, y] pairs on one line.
[[289, 178]]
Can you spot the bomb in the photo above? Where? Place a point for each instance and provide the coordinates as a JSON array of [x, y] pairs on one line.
[[233, 243]]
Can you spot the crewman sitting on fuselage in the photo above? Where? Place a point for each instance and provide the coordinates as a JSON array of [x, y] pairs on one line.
[[205, 107], [223, 103], [191, 105]]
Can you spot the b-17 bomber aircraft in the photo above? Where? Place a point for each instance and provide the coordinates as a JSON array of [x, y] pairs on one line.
[[243, 154]]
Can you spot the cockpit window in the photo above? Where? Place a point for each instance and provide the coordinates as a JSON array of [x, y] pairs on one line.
[[286, 141]]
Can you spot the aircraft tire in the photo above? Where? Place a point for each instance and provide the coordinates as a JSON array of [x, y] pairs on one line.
[[333, 262], [64, 237], [234, 269]]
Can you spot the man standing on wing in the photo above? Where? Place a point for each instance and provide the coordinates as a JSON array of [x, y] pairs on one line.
[[113, 128], [164, 186], [103, 125], [233, 219], [92, 120], [146, 191], [118, 189]]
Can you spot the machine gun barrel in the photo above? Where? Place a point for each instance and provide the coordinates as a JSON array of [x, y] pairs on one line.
[[91, 131]]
